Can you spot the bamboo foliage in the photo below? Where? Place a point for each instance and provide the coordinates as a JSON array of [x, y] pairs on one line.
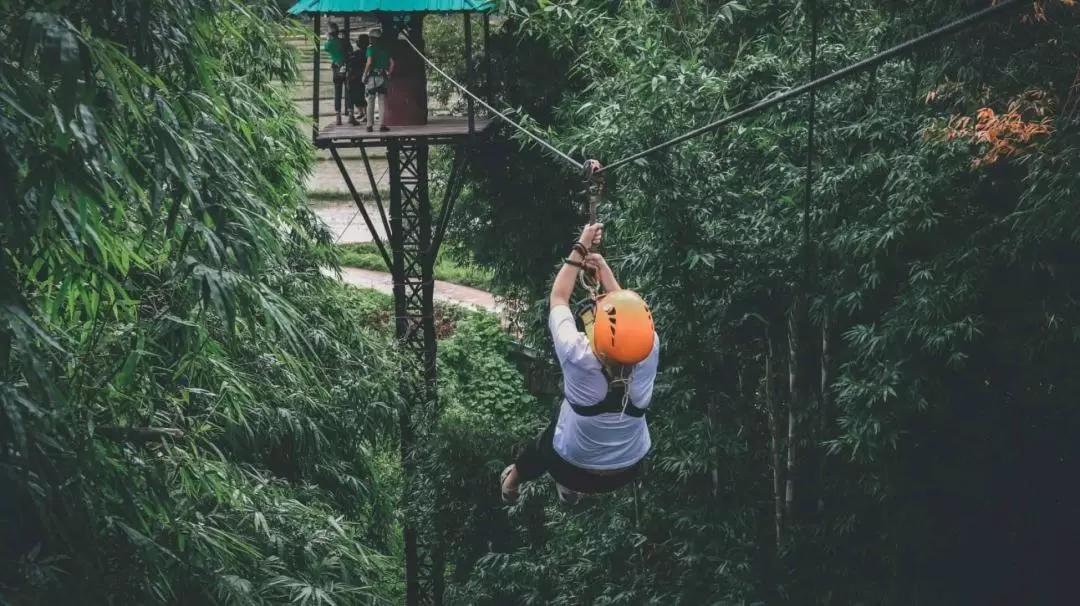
[[187, 407], [937, 330]]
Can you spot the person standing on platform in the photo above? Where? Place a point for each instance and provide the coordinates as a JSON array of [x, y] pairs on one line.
[[357, 93], [338, 48], [379, 68]]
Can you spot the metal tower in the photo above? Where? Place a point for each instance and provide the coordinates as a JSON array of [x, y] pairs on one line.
[[414, 235]]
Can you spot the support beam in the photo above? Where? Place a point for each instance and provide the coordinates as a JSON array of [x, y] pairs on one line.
[[414, 323], [489, 86], [375, 190], [360, 204], [317, 66], [346, 99], [469, 72]]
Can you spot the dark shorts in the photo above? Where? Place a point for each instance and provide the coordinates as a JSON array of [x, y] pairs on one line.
[[357, 94], [538, 457]]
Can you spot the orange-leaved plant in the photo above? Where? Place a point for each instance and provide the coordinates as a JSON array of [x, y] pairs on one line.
[[1038, 13], [1005, 134]]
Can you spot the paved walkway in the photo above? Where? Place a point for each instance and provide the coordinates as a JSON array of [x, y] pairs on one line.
[[444, 291], [327, 177], [337, 216]]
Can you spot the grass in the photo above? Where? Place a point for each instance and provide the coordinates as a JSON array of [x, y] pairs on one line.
[[377, 309], [366, 256], [316, 196]]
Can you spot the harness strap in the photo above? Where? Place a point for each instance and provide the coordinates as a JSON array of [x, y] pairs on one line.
[[612, 403]]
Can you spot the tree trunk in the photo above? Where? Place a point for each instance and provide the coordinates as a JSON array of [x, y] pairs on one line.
[[826, 372], [774, 445], [5, 353], [794, 402], [714, 422]]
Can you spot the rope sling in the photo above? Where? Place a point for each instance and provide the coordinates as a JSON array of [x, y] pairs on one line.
[[618, 393]]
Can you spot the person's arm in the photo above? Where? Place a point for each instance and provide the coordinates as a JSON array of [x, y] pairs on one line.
[[597, 263], [563, 286]]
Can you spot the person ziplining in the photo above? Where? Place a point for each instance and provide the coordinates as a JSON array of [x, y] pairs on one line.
[[609, 355], [599, 436]]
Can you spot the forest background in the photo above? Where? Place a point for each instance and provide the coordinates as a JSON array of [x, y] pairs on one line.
[[865, 394]]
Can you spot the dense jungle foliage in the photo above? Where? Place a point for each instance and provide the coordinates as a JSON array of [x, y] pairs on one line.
[[189, 411], [880, 413]]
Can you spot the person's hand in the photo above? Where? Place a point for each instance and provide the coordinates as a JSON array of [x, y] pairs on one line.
[[594, 262], [591, 235]]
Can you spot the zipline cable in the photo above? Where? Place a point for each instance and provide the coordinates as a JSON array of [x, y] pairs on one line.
[[881, 57], [521, 128]]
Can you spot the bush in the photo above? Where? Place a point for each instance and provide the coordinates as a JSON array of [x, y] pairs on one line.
[[365, 255]]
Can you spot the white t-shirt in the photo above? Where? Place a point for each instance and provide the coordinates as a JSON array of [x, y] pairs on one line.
[[604, 441]]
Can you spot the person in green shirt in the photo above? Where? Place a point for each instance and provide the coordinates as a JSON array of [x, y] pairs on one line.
[[338, 48], [379, 68]]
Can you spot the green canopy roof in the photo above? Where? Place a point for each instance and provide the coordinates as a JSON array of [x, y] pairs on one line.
[[391, 6]]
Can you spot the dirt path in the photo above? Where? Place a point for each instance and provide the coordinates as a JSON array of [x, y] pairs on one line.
[[444, 291]]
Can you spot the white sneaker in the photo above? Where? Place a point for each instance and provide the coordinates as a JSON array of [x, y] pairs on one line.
[[509, 497], [566, 496]]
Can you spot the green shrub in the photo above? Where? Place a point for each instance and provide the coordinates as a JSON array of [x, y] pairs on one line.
[[366, 255]]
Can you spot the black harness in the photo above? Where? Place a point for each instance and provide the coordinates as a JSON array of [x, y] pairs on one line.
[[616, 392], [612, 402]]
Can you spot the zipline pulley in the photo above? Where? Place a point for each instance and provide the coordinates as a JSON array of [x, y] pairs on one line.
[[594, 190]]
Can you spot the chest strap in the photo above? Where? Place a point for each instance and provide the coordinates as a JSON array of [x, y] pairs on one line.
[[612, 403]]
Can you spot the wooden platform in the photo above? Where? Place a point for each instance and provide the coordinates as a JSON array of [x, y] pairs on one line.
[[439, 129]]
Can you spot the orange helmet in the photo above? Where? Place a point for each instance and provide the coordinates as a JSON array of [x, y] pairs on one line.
[[623, 329]]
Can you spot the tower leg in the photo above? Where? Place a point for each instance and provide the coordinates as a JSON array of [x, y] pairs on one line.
[[413, 271]]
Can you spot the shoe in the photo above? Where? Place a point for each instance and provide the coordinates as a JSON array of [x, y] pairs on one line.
[[353, 121], [566, 496], [509, 497], [339, 119], [368, 129], [384, 128]]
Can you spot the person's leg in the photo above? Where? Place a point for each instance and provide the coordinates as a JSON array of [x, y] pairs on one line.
[[356, 103], [352, 101], [530, 464], [369, 119], [382, 111], [338, 86], [573, 482]]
